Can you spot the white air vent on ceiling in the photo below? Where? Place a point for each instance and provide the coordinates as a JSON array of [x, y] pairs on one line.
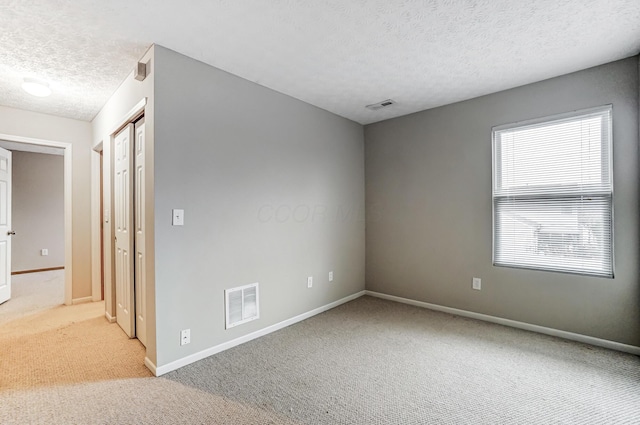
[[380, 105], [242, 304]]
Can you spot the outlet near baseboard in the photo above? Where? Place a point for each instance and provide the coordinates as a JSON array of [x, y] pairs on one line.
[[185, 336]]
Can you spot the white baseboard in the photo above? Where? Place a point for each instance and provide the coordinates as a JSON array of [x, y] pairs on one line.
[[81, 300], [151, 366], [109, 317], [161, 370], [514, 324]]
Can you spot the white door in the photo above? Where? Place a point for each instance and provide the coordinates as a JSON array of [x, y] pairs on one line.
[[139, 209], [5, 225], [123, 209]]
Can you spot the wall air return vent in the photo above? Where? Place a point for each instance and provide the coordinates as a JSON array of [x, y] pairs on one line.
[[241, 305], [380, 105]]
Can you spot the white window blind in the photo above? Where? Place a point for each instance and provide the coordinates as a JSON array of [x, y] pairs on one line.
[[553, 194]]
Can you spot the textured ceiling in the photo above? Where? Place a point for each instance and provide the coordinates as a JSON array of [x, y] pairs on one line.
[[339, 55]]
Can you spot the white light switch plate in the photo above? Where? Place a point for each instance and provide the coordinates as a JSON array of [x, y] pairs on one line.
[[44, 251], [178, 218], [477, 283]]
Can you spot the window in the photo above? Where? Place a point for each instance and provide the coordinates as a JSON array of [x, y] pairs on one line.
[[553, 194]]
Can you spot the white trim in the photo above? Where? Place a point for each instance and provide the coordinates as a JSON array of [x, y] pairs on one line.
[[68, 225], [138, 109], [96, 260], [151, 366], [596, 110], [82, 300], [33, 141], [110, 318], [68, 205], [632, 349], [161, 370]]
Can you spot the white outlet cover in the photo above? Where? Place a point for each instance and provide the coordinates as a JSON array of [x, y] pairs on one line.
[[178, 217], [185, 336], [309, 281], [330, 276]]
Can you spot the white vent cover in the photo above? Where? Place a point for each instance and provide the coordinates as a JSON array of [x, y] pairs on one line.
[[242, 304], [381, 105]]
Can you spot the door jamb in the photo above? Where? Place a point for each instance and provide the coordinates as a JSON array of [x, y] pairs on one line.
[[68, 220], [106, 147], [96, 260]]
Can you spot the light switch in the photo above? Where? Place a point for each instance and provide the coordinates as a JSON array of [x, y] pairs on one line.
[[178, 218], [476, 283]]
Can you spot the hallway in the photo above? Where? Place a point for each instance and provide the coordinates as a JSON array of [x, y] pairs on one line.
[[66, 345], [33, 293]]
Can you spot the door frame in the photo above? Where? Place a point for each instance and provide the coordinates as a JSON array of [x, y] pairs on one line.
[[68, 221], [105, 257], [97, 261]]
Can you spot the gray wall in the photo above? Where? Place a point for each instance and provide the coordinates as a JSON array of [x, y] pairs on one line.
[[37, 211], [273, 192], [428, 192]]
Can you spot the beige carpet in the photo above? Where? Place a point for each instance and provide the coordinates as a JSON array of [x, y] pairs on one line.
[[68, 365], [33, 292], [367, 362], [67, 345]]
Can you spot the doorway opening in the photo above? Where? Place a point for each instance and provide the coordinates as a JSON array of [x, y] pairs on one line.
[[36, 243], [25, 143]]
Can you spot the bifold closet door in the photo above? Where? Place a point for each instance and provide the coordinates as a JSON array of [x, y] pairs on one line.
[[139, 223], [123, 223]]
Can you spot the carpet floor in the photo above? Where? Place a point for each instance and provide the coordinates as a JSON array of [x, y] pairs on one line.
[[370, 362], [379, 362], [66, 345], [33, 292]]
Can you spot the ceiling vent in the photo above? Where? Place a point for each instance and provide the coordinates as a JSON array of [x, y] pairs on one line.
[[242, 305], [380, 105]]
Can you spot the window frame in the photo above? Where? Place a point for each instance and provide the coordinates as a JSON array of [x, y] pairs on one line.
[[495, 174]]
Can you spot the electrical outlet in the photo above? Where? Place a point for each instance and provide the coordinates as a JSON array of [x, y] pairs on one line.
[[309, 281], [178, 218], [330, 276], [44, 251], [185, 336], [477, 283]]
